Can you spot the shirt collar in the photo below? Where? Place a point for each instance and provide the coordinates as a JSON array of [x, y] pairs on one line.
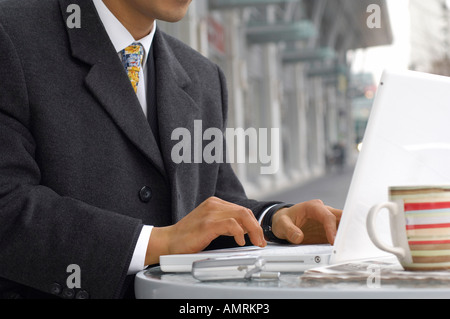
[[119, 35]]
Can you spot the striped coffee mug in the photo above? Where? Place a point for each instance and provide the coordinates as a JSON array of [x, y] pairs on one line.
[[420, 226]]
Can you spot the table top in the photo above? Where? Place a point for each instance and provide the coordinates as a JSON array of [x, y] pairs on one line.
[[155, 284]]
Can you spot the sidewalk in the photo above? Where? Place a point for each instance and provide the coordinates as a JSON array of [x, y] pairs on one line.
[[331, 189]]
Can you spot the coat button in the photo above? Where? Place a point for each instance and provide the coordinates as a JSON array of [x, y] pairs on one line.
[[55, 289], [82, 294], [11, 295], [145, 194], [68, 293]]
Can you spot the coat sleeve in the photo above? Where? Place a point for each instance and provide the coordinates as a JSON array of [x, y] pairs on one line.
[[42, 233], [228, 186]]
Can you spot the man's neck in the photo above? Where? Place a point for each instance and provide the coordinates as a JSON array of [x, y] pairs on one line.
[[136, 23]]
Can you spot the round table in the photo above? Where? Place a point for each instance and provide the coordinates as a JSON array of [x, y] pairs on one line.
[[155, 284]]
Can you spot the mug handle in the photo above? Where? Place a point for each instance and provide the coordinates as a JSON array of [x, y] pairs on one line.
[[371, 219]]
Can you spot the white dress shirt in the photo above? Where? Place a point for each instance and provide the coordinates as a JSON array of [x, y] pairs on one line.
[[121, 38]]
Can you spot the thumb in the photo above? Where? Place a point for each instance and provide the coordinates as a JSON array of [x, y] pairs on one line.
[[291, 232]]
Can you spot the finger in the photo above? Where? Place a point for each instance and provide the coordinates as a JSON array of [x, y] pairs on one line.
[[230, 227], [336, 212], [253, 228], [290, 232], [324, 216], [244, 217], [248, 222]]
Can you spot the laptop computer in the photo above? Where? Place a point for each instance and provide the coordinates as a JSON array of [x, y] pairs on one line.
[[407, 143]]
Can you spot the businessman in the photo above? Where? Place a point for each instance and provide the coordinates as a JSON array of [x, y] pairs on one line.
[[86, 176]]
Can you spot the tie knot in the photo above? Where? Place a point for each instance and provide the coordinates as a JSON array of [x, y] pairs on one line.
[[132, 56]]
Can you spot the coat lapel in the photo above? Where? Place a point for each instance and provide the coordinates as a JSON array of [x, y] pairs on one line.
[[176, 107], [108, 81]]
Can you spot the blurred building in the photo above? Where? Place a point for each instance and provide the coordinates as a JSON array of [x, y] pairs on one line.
[[286, 67], [430, 36], [362, 91]]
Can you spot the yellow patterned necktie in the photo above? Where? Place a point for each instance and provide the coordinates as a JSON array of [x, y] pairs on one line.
[[132, 61]]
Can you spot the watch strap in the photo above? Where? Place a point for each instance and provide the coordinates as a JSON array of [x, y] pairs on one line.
[[266, 224]]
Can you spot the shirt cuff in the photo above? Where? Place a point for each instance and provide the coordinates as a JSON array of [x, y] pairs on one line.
[[138, 260]]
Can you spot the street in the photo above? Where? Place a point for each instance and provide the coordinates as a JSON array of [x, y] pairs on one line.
[[331, 189]]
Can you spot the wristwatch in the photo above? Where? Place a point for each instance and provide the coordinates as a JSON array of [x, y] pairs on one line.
[[266, 224]]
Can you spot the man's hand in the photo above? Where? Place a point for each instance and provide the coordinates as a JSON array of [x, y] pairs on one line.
[[307, 223], [211, 219]]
